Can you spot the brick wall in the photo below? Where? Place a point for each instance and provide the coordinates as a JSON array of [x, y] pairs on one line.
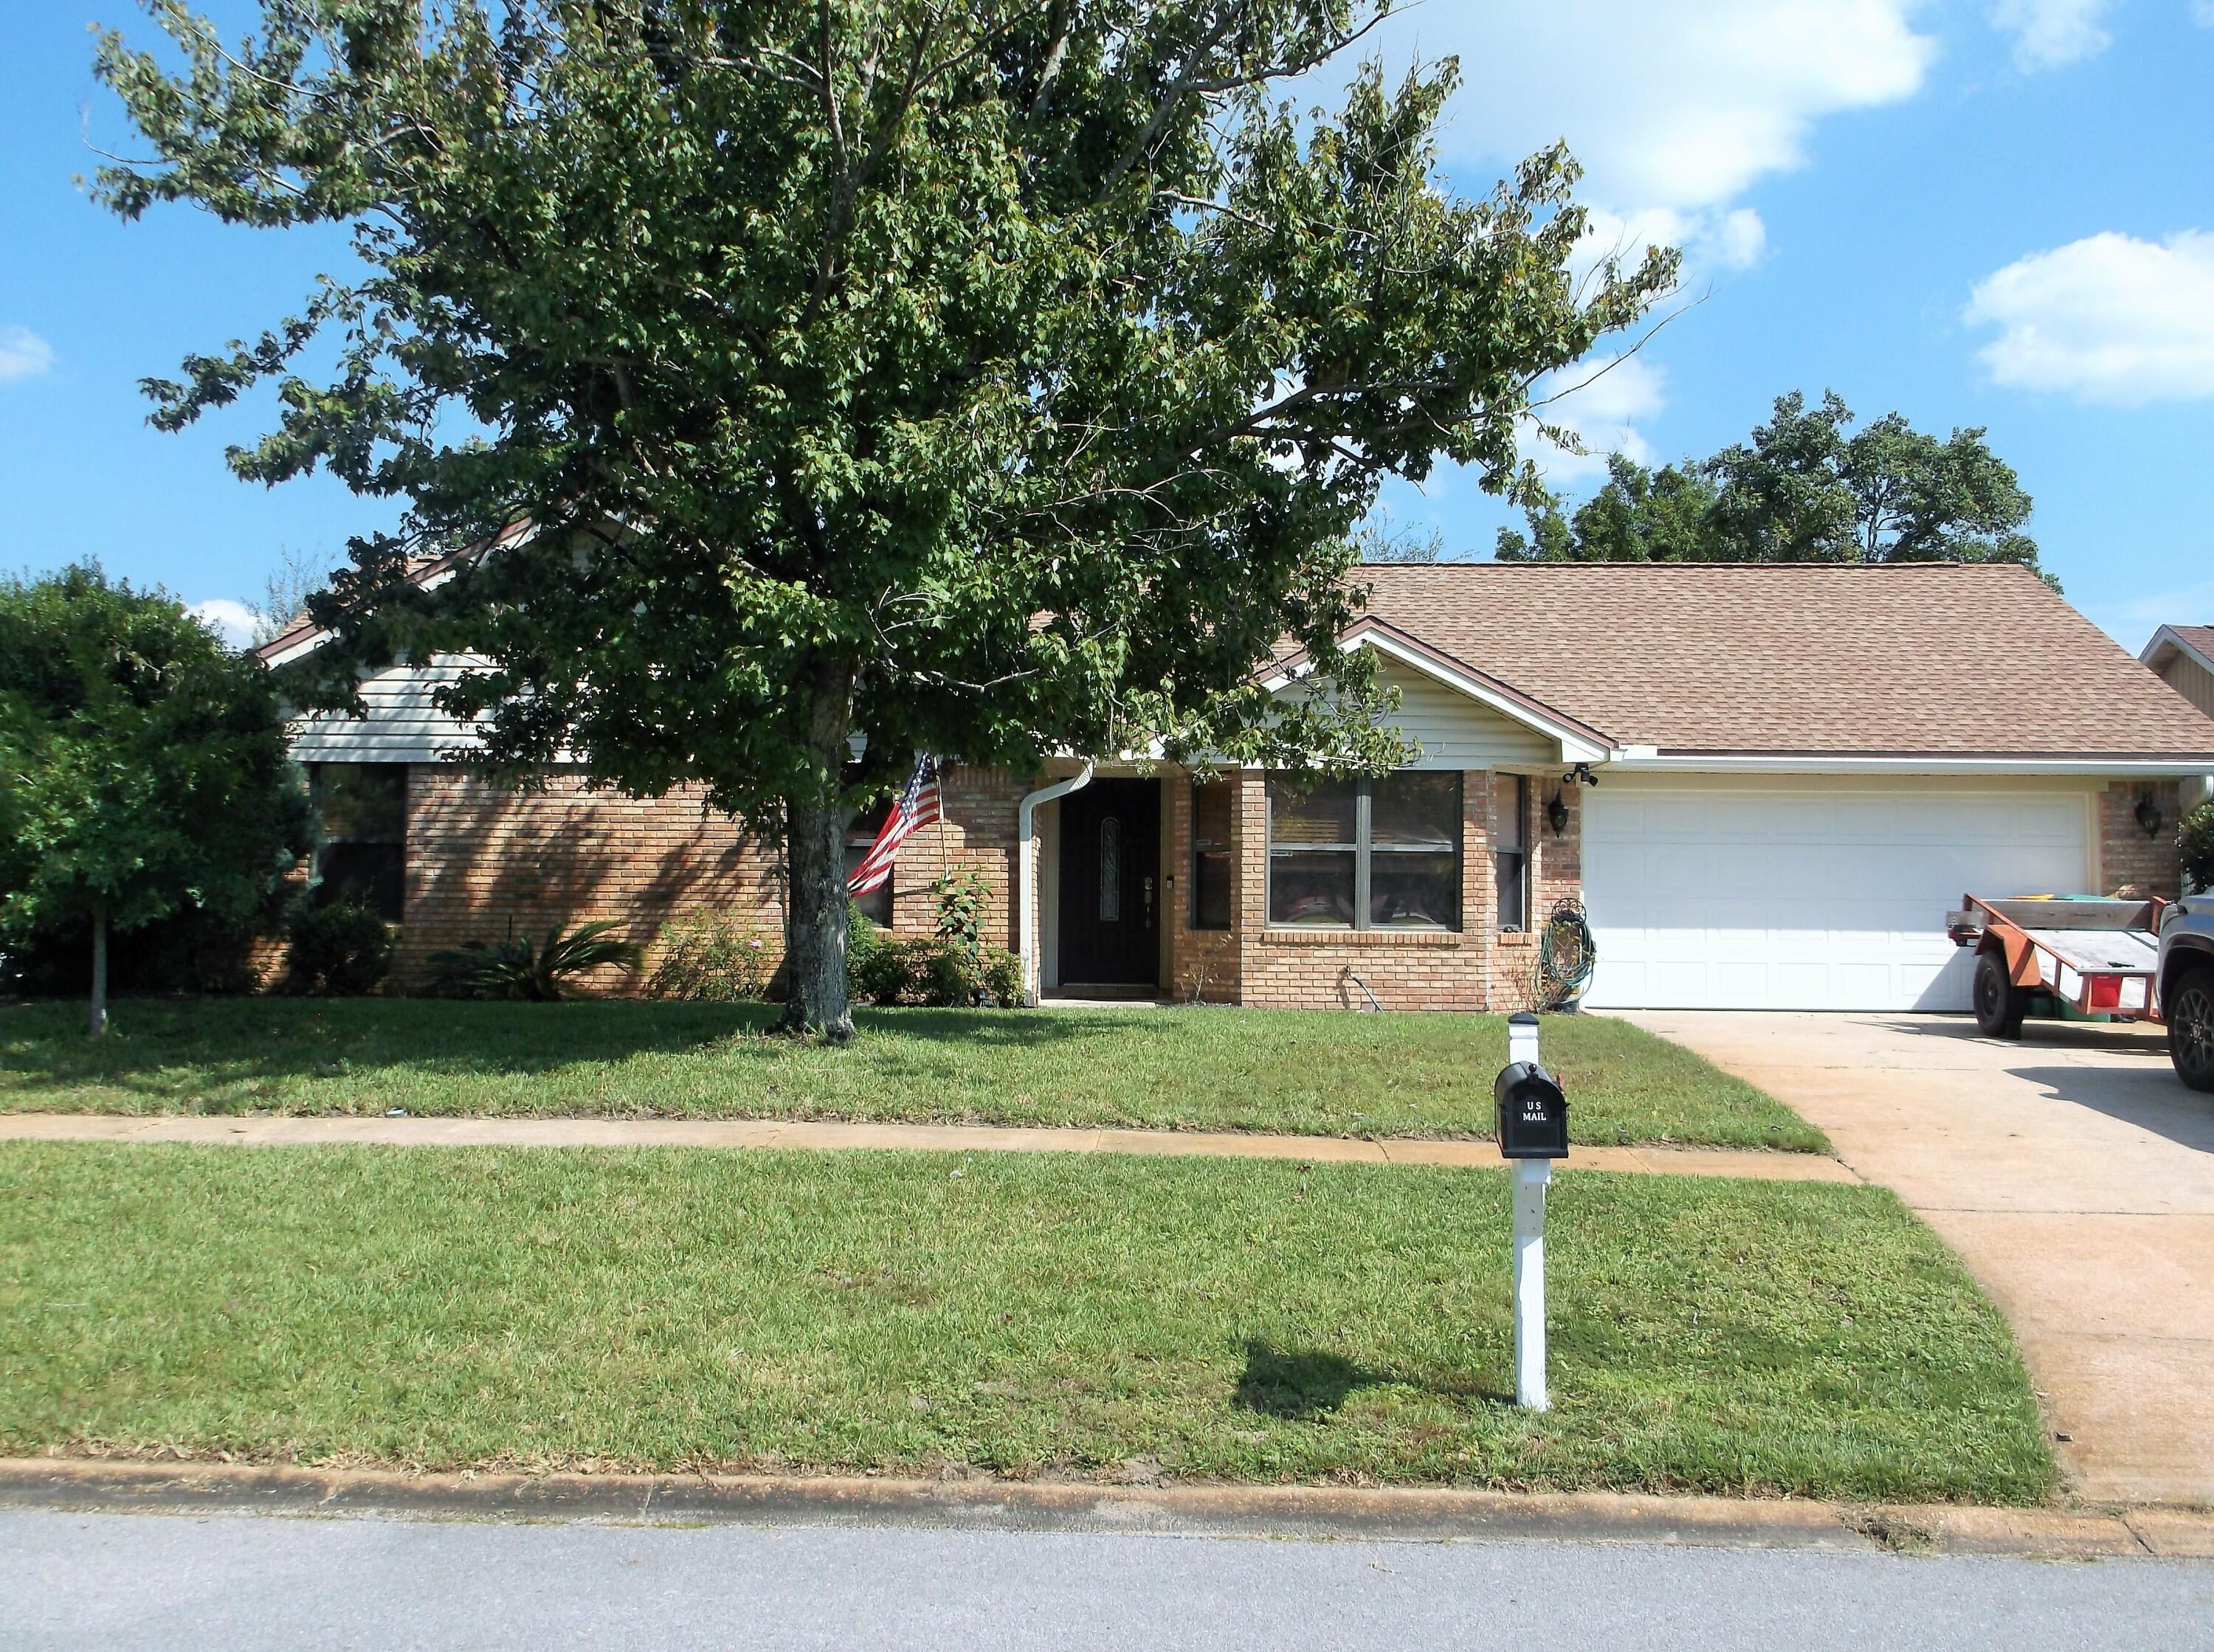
[[2127, 857], [977, 835], [484, 862], [1475, 969]]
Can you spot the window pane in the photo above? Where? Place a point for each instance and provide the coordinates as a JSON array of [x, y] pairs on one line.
[[1509, 868], [1511, 822], [877, 905], [1210, 890], [1411, 807], [860, 838], [1210, 815], [374, 875], [1321, 814], [1110, 870], [1415, 892], [362, 802], [1309, 885]]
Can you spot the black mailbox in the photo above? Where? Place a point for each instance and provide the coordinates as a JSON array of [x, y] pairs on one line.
[[1533, 1114]]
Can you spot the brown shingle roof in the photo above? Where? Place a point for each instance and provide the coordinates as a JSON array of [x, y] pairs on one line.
[[2199, 637], [1908, 660]]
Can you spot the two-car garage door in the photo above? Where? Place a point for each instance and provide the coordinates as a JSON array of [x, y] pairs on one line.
[[1748, 897]]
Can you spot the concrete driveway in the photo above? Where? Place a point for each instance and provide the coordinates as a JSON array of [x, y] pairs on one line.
[[2073, 1174]]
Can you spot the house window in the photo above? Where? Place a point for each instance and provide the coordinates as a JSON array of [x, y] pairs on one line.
[[361, 811], [1510, 852], [1383, 853], [860, 838], [1211, 803]]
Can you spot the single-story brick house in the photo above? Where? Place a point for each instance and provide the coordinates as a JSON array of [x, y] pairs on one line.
[[1799, 769]]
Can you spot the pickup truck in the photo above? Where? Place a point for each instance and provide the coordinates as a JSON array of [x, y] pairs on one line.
[[2186, 987]]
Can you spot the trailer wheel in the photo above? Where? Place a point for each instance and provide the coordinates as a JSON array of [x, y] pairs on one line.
[[2190, 1011], [2000, 1004]]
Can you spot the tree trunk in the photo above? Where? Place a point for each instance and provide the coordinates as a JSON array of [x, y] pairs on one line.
[[99, 968], [814, 937], [814, 859]]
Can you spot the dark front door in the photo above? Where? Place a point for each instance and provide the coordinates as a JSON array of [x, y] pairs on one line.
[[1111, 884]]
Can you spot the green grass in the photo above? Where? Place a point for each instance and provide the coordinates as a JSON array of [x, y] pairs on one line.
[[1309, 1073], [1051, 1315]]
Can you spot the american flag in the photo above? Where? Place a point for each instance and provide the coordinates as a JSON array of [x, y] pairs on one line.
[[917, 807]]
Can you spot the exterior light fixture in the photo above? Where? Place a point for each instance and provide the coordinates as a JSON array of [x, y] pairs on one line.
[[1582, 771], [1557, 815], [2148, 815]]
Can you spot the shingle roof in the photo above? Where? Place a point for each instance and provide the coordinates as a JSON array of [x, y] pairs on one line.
[[2198, 637], [1903, 660]]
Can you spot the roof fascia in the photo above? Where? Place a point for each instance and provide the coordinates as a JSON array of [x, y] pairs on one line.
[[2090, 765]]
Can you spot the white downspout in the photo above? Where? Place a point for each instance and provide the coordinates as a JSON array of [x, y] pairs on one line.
[[1026, 835]]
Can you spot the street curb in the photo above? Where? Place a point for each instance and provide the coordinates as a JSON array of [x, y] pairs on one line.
[[1410, 1515]]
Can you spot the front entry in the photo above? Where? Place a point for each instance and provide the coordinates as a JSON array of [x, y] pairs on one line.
[[1111, 884]]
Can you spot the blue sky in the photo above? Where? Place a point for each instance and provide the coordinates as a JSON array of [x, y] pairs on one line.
[[1986, 214]]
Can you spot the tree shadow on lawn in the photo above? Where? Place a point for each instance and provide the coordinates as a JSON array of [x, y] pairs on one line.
[[162, 1048], [1302, 1388]]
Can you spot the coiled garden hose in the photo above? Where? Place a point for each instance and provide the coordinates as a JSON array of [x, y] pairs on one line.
[[1566, 954]]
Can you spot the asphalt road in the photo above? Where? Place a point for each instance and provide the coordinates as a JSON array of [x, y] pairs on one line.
[[245, 1581]]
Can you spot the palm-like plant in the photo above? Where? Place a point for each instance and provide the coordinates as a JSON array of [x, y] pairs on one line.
[[531, 971]]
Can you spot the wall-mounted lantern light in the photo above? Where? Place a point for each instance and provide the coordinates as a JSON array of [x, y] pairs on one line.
[[1557, 815], [2148, 816]]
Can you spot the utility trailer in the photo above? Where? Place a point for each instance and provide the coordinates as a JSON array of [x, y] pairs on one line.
[[2089, 954]]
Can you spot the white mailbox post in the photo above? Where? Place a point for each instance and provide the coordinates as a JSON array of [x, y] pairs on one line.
[[1533, 1131]]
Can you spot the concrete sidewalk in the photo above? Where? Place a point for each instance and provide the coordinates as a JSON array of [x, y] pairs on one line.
[[2073, 1175], [817, 1135]]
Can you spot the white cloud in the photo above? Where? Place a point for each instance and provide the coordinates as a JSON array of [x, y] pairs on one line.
[[1667, 103], [232, 621], [23, 354], [2048, 33], [2108, 318], [1709, 239], [1602, 400]]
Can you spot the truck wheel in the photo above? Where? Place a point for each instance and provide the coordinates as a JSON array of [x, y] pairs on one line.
[[1999, 1003], [2191, 1029]]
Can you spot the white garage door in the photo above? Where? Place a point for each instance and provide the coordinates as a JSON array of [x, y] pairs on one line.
[[1709, 898]]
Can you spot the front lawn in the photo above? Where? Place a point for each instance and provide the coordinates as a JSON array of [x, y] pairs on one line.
[[1027, 1316], [1313, 1073]]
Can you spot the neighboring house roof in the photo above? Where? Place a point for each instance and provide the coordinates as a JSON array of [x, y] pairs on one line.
[[1925, 660], [2193, 643]]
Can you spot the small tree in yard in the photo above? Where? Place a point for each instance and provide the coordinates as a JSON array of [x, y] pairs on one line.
[[988, 378], [143, 766]]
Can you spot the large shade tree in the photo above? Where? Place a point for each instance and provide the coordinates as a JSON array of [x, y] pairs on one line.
[[989, 377], [1805, 487], [143, 767]]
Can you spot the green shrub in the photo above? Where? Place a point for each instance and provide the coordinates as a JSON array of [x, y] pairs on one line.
[[707, 958], [934, 973], [1003, 978], [883, 974], [529, 970], [2195, 844], [343, 949], [945, 976]]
